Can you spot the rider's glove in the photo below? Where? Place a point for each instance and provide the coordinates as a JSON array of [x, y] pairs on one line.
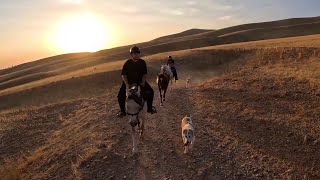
[[128, 89]]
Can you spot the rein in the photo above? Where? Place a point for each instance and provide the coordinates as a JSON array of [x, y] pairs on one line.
[[139, 101]]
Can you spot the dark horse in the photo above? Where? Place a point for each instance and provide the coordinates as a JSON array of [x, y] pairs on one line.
[[163, 80]]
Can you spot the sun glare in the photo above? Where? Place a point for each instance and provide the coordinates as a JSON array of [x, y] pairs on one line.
[[85, 33]]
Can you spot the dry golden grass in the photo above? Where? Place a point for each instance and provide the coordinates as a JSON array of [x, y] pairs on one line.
[[247, 27], [187, 33], [74, 74], [299, 41], [269, 108], [72, 128], [255, 118], [41, 62], [46, 71], [202, 62], [12, 169], [256, 92]]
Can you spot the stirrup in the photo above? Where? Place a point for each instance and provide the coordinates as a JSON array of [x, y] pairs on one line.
[[120, 114], [153, 110]]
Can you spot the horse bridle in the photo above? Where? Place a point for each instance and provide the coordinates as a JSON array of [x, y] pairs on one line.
[[139, 101]]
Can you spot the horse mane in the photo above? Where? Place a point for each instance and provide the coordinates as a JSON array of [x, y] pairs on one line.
[[165, 70]]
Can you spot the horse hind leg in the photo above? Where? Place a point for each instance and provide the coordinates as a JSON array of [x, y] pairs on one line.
[[161, 99], [159, 86], [161, 102]]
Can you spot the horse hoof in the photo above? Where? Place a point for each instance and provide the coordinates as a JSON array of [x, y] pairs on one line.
[[134, 150], [164, 99], [161, 104]]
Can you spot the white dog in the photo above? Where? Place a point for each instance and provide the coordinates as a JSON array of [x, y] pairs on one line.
[[187, 133], [188, 81]]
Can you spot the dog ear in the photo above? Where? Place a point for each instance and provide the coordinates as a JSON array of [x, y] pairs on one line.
[[185, 131]]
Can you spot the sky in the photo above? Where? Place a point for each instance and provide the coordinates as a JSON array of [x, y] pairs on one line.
[[34, 29]]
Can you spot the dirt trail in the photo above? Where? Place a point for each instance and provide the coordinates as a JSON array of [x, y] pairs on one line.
[[160, 149]]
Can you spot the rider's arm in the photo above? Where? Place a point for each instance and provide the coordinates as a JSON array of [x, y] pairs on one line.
[[124, 74], [125, 80], [144, 79], [145, 72]]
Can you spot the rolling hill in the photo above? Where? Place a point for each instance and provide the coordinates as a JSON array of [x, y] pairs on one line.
[[190, 39]]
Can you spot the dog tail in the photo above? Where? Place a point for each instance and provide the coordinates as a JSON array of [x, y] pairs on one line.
[[189, 116]]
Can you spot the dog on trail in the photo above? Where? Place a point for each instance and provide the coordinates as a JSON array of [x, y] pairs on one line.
[[187, 133], [188, 81]]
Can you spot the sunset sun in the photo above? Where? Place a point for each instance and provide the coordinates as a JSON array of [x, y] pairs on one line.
[[85, 33]]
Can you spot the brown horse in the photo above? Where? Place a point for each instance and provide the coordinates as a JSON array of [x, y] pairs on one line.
[[163, 80]]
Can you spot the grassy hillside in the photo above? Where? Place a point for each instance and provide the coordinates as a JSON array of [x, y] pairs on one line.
[[255, 111], [182, 34], [201, 64], [194, 38], [251, 26]]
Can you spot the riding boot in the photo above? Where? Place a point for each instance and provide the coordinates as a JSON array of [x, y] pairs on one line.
[[174, 72], [149, 94]]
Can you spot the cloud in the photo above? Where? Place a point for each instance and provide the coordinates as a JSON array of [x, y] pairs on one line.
[[176, 12], [223, 7], [127, 9], [193, 10], [191, 3], [73, 1], [225, 18], [181, 11]]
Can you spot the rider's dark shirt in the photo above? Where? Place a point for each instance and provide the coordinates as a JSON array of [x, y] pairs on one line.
[[134, 70], [170, 62]]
